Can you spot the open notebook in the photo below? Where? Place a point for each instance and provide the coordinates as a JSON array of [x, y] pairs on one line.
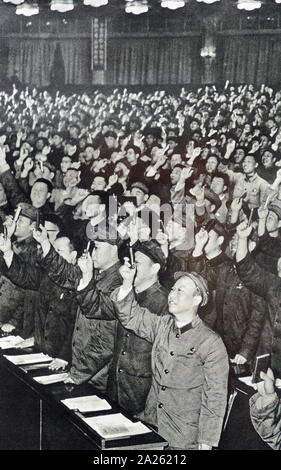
[[86, 404], [116, 426], [8, 342], [28, 358], [51, 379]]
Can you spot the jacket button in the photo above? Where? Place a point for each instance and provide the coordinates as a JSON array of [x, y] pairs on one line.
[[127, 335], [160, 405], [166, 371], [163, 388], [123, 353], [172, 353], [177, 335], [120, 370]]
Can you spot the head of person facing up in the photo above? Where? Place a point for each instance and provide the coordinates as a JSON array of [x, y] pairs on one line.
[[99, 182], [26, 222], [132, 154], [273, 219], [54, 225], [249, 165], [95, 206], [217, 239], [212, 163], [104, 245], [176, 158], [57, 140], [268, 159], [140, 191], [238, 155], [110, 138], [64, 247], [89, 154], [149, 260], [189, 292], [71, 179], [40, 192], [220, 184], [65, 164]]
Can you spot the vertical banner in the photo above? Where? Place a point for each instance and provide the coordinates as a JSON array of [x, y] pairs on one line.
[[98, 44]]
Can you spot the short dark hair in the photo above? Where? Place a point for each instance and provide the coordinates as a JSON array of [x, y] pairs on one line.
[[54, 219], [136, 149], [47, 183], [223, 176]]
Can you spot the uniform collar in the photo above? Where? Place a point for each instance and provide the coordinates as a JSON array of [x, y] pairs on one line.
[[189, 326]]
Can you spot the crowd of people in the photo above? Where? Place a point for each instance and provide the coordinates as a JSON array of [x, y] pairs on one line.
[[140, 246]]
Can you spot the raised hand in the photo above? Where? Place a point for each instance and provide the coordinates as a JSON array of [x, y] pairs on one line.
[[266, 387], [244, 230], [186, 173], [230, 147], [7, 328], [161, 238], [262, 212], [10, 225], [199, 193], [161, 159], [236, 204], [238, 359], [127, 273], [85, 263], [5, 244], [41, 236], [201, 238], [27, 167]]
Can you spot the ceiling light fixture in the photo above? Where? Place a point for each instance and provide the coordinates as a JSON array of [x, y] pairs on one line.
[[172, 4], [14, 2], [27, 9], [248, 5], [62, 5], [95, 3], [207, 1], [136, 7]]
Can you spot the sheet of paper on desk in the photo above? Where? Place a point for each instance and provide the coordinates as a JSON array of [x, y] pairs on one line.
[[115, 426], [86, 404], [51, 379], [8, 342], [248, 381], [28, 358]]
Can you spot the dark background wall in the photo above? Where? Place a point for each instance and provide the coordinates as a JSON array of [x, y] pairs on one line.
[[159, 48]]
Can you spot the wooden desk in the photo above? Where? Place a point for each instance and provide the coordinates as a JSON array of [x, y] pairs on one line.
[[33, 417], [239, 433]]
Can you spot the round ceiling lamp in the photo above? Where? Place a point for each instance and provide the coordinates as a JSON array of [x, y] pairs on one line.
[[172, 4], [248, 5], [27, 9], [62, 5], [14, 2], [136, 7], [95, 3]]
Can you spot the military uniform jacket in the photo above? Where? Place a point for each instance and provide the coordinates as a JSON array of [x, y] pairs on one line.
[[188, 394]]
